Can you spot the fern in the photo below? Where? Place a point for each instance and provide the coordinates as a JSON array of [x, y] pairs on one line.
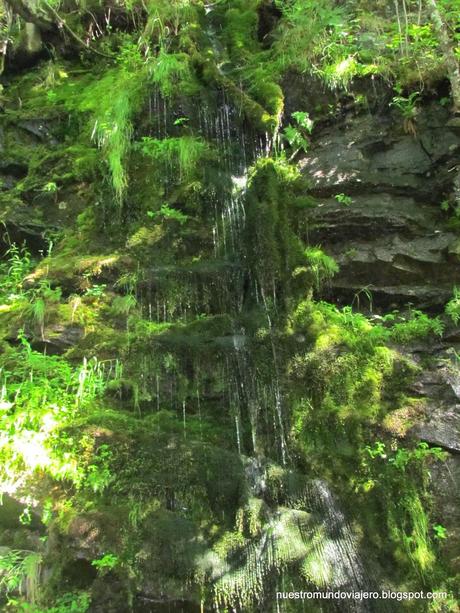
[[20, 571], [122, 305], [453, 306], [169, 71], [112, 102], [323, 266], [184, 152]]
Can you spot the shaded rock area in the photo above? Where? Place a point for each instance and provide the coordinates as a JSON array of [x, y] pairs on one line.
[[445, 483], [379, 211], [439, 385]]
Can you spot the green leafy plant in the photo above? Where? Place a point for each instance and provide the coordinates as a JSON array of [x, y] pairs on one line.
[[418, 325], [99, 474], [181, 121], [50, 187], [183, 152], [13, 272], [344, 199], [440, 532], [108, 562], [96, 290], [297, 135], [166, 212], [122, 305], [78, 602], [323, 266], [407, 106], [453, 306], [170, 71], [20, 572]]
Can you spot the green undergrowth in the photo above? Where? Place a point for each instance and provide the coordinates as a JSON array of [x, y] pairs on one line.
[[349, 394]]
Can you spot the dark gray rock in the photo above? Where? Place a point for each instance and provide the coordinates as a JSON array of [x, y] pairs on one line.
[[445, 485], [39, 129], [443, 428], [379, 192], [439, 384], [374, 152]]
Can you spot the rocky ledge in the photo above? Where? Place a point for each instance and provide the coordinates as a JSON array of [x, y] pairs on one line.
[[385, 203]]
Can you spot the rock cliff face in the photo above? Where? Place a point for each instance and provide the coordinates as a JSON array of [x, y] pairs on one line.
[[380, 193]]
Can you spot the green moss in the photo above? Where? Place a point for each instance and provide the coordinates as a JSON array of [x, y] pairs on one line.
[[274, 250]]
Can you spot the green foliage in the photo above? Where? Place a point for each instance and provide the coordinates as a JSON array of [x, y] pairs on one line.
[[99, 474], [419, 325], [339, 43], [297, 136], [42, 396], [68, 426], [304, 28], [184, 152], [392, 472], [166, 212], [20, 572], [106, 563], [356, 329], [453, 307], [344, 199], [96, 290], [67, 603], [273, 250], [13, 272], [112, 102], [323, 266], [122, 305], [407, 106], [50, 187], [171, 72], [440, 532]]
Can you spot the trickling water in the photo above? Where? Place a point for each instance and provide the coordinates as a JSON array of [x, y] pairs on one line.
[[184, 419], [158, 391]]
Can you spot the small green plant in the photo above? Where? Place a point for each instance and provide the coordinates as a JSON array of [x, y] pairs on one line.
[[181, 121], [13, 272], [418, 325], [50, 187], [67, 603], [184, 153], [378, 450], [96, 290], [20, 572], [26, 517], [99, 475], [297, 135], [440, 532], [344, 199], [122, 305], [108, 562], [166, 212], [445, 205], [453, 306], [323, 266], [407, 106]]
